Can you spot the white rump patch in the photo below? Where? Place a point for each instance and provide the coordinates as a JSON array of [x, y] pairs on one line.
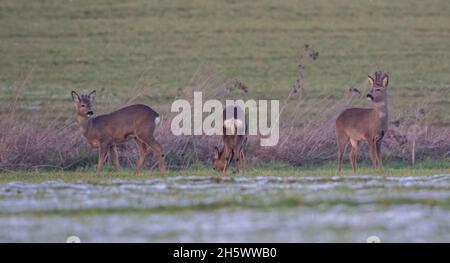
[[233, 124], [230, 123], [157, 120]]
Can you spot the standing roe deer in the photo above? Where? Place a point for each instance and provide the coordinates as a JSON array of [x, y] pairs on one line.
[[106, 131], [358, 124], [234, 140]]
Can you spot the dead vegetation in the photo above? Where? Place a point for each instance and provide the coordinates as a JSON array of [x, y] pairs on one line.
[[59, 145]]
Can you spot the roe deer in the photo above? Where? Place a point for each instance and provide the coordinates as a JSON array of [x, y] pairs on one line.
[[234, 140], [358, 124], [106, 131]]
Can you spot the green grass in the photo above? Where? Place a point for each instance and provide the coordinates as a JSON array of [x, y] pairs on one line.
[[276, 170], [51, 47]]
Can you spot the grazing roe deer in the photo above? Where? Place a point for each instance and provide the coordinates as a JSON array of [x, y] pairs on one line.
[[106, 131], [358, 124], [234, 140]]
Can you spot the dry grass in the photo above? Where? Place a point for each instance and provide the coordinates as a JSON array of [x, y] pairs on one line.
[[59, 145]]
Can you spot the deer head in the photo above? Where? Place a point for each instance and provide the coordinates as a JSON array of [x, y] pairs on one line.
[[378, 87], [219, 162], [84, 104]]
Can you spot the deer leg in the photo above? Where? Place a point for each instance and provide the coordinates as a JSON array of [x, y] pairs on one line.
[[341, 144], [339, 159], [378, 154], [158, 152], [242, 159], [224, 170], [142, 151], [102, 152], [233, 159], [228, 154], [353, 154], [225, 167], [236, 156], [373, 154], [114, 157]]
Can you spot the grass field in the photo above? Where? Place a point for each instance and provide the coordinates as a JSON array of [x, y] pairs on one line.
[[280, 170], [152, 51], [51, 47]]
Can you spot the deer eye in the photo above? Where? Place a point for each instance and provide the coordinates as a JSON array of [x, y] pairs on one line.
[[82, 105]]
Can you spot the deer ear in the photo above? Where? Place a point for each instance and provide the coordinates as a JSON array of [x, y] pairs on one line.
[[385, 81], [371, 80], [75, 96], [216, 153], [92, 95]]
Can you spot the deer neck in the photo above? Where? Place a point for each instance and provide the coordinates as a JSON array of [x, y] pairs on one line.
[[381, 111], [84, 123]]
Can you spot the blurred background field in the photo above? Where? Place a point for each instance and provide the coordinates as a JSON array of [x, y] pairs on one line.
[[151, 51], [51, 47]]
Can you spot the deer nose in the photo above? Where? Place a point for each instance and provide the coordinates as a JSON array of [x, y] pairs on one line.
[[369, 96], [89, 113]]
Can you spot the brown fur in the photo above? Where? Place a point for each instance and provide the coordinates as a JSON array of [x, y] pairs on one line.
[[233, 148], [356, 124], [106, 131]]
